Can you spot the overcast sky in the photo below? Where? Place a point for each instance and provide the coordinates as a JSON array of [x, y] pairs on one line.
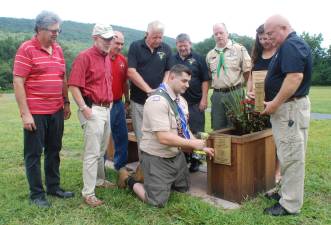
[[193, 17]]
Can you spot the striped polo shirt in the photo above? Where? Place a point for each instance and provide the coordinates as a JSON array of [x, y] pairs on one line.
[[44, 74]]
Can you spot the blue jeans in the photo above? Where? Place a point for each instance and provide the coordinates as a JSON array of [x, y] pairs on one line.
[[119, 133]]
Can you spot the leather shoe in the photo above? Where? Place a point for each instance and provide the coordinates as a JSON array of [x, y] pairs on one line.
[[60, 193], [273, 196], [123, 175], [277, 210], [40, 202], [92, 201]]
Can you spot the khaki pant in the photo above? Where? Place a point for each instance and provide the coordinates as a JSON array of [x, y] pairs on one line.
[[96, 139], [137, 111], [161, 175], [290, 128]]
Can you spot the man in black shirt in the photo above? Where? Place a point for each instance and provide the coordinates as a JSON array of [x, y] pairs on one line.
[[197, 94], [286, 87], [148, 65]]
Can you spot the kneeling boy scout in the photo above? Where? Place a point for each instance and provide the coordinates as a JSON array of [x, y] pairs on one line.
[[165, 137]]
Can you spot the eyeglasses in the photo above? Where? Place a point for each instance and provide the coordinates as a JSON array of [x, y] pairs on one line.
[[53, 31]]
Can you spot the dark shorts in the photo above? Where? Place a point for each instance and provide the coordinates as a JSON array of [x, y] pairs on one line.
[[161, 175]]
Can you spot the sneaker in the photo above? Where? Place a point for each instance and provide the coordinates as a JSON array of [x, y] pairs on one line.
[[106, 184], [138, 176], [123, 175], [277, 210], [40, 202], [273, 195], [92, 201]]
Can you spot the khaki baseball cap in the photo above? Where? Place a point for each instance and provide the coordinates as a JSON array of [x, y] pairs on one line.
[[104, 30]]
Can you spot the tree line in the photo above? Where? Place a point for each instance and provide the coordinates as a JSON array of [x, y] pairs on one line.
[[10, 44]]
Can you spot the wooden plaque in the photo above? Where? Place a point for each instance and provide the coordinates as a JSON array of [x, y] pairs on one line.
[[222, 147], [259, 96], [258, 76]]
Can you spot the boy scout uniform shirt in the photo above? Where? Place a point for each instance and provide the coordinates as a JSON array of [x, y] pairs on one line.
[[236, 60], [158, 116]]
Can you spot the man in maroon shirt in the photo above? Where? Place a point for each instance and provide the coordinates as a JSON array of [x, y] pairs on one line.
[[119, 129], [90, 83], [42, 97]]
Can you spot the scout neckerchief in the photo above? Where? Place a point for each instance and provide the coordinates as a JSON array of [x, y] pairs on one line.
[[221, 61], [182, 128]]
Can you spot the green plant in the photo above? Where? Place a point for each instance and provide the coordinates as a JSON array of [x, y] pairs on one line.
[[241, 112]]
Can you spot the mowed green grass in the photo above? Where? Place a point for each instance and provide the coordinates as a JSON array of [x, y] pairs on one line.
[[320, 99], [122, 207]]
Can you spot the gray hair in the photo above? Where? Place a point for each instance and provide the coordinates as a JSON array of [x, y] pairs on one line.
[[45, 19], [155, 26], [183, 37]]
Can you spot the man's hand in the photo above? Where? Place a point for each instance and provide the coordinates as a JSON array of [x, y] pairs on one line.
[[66, 111], [28, 122], [270, 108], [251, 94], [87, 112], [203, 104], [151, 91], [209, 151]]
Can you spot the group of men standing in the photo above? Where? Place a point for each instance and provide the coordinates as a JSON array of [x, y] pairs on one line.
[[168, 97]]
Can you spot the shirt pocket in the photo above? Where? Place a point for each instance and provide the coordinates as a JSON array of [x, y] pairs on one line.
[[213, 64]]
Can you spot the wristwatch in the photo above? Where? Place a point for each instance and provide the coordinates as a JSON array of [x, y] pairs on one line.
[[82, 108]]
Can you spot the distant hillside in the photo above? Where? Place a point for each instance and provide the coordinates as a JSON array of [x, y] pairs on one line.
[[72, 31]]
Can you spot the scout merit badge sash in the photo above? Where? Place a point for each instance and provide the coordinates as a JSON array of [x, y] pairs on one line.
[[182, 128]]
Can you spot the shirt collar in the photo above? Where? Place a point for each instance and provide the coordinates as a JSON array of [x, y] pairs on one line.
[[187, 57], [37, 43], [98, 51], [228, 45]]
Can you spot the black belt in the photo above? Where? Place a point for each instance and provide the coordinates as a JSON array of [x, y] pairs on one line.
[[225, 90], [294, 98]]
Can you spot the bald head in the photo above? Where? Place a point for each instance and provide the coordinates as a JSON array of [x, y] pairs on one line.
[[277, 27], [117, 43], [118, 34], [221, 35]]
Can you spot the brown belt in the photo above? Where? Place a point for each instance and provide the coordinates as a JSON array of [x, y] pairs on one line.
[[102, 104], [294, 98], [225, 90]]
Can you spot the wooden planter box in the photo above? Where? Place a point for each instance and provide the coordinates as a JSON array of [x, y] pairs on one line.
[[132, 145], [252, 166]]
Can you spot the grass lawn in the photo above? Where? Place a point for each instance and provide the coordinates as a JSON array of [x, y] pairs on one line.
[[122, 207]]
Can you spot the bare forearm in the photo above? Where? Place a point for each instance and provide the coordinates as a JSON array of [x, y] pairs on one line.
[[77, 95], [205, 87], [289, 86], [173, 140], [135, 77], [246, 75], [249, 83], [20, 95], [65, 89]]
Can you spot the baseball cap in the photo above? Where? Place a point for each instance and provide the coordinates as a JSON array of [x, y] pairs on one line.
[[104, 30]]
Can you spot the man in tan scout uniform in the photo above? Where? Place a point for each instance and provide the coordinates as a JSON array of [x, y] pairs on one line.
[[229, 66], [165, 137]]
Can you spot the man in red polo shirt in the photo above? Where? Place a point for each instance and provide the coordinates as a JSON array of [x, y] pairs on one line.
[[90, 83], [42, 97], [119, 129]]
